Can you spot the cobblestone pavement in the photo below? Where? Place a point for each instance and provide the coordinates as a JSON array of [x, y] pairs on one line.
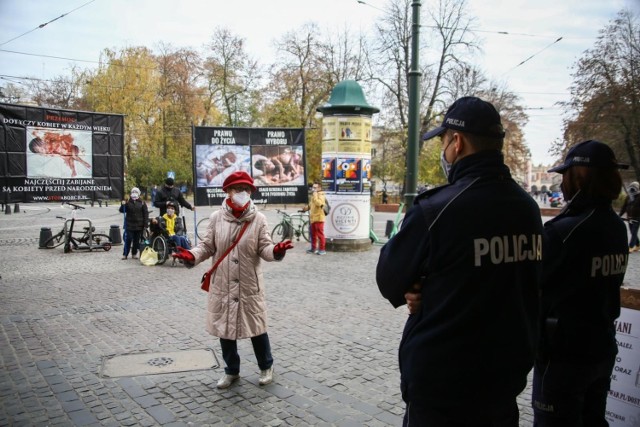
[[334, 338]]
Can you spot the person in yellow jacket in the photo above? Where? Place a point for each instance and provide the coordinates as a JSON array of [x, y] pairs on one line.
[[316, 217]]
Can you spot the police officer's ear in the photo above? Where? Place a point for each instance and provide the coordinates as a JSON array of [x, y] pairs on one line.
[[459, 143]]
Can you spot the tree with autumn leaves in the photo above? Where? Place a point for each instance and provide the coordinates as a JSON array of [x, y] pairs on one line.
[[606, 93]]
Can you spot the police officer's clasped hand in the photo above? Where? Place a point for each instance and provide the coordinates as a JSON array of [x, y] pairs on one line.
[[183, 254], [414, 298], [281, 248]]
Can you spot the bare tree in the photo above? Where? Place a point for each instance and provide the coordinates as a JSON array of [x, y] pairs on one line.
[[452, 38], [61, 91], [231, 78]]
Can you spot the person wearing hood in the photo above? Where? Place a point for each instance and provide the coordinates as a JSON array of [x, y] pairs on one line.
[[236, 302], [585, 261], [170, 194], [136, 220], [467, 262], [631, 207]]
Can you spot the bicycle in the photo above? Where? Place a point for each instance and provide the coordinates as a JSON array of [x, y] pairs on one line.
[[86, 239], [201, 228], [290, 225]]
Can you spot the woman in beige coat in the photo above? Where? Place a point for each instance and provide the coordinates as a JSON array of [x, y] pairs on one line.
[[236, 304]]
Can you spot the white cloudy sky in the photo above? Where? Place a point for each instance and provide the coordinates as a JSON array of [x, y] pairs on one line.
[[532, 25]]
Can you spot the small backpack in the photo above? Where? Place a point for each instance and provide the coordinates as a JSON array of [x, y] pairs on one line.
[[326, 208]]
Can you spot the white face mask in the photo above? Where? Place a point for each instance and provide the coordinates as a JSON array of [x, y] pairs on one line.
[[170, 212], [240, 199], [134, 196], [445, 165]]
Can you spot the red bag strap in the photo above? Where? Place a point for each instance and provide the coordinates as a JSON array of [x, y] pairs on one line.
[[244, 227]]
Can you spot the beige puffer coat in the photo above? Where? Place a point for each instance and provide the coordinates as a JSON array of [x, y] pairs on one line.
[[236, 304]]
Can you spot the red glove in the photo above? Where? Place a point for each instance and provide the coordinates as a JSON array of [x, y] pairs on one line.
[[281, 248], [183, 254]]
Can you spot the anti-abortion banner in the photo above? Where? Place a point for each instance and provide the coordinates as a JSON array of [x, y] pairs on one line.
[[60, 155], [274, 157]]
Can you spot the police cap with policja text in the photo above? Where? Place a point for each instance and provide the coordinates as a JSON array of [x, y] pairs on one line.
[[590, 153], [473, 115]]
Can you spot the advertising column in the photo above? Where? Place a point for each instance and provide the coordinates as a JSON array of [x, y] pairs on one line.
[[346, 167]]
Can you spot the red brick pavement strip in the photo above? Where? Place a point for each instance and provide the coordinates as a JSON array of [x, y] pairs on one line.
[[334, 338]]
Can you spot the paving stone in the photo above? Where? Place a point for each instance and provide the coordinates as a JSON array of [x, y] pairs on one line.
[[82, 418], [161, 414]]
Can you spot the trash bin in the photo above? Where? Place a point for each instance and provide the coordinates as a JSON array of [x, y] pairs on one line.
[[114, 235], [389, 228], [45, 234]]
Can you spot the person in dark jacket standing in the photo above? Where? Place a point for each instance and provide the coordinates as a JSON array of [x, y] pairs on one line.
[[468, 261], [631, 207], [169, 193], [136, 220], [584, 264]]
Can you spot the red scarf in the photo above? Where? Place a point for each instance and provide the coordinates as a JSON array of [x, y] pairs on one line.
[[237, 212]]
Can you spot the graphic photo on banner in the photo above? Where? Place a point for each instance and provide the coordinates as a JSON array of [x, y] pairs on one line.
[[277, 165], [53, 153], [214, 163], [348, 175]]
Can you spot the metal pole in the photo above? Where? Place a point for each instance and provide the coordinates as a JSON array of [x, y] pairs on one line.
[[414, 108]]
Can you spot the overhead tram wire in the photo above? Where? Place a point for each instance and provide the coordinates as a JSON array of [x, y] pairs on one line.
[[535, 54], [473, 30], [47, 23]]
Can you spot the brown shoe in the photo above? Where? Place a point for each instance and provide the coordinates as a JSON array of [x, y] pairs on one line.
[[124, 257], [134, 257]]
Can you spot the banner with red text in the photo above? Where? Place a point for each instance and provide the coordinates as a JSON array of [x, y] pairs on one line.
[[49, 154]]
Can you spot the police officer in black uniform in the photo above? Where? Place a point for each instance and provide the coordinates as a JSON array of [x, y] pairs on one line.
[[471, 252], [169, 193], [584, 264]]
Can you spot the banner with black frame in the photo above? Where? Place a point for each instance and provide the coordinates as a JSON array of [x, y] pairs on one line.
[[274, 157], [49, 154]]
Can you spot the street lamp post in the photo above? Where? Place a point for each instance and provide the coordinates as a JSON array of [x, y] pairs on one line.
[[414, 107]]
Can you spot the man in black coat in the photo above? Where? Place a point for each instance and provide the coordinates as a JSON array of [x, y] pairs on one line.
[[468, 261], [169, 193]]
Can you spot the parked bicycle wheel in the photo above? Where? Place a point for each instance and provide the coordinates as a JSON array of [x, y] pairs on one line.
[[54, 241], [281, 232], [305, 231], [160, 246], [201, 228], [101, 240]]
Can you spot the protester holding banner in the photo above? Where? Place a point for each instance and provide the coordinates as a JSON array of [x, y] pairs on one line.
[[585, 261], [236, 306]]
